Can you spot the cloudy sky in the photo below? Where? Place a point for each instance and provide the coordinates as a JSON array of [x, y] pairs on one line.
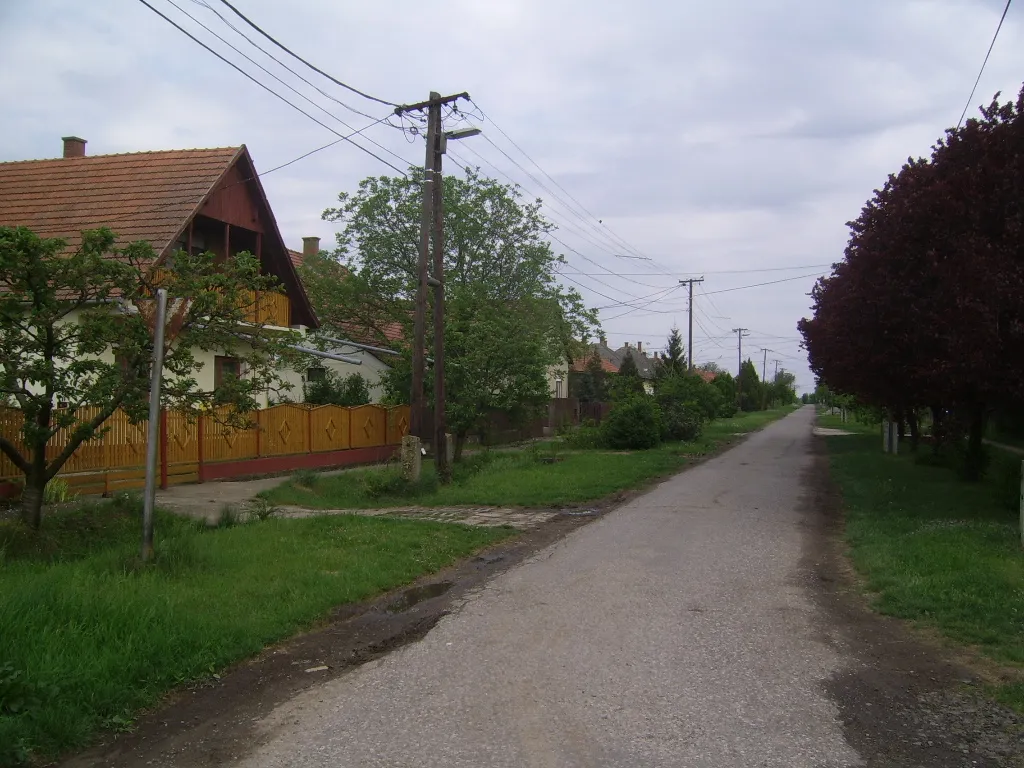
[[729, 139]]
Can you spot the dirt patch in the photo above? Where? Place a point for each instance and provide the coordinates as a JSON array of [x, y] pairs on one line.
[[214, 722], [907, 701]]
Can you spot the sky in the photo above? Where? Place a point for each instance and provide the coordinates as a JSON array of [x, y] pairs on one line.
[[668, 139]]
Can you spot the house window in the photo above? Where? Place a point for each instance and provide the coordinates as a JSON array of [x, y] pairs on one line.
[[316, 374], [558, 388], [225, 368]]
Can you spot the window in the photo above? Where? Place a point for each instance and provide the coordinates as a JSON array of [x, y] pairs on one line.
[[316, 374], [225, 368]]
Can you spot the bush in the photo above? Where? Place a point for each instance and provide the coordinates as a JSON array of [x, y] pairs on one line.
[[587, 435], [383, 483], [679, 422], [633, 424], [332, 389]]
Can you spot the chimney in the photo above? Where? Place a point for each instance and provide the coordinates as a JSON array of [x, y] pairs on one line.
[[74, 146], [310, 246], [640, 347]]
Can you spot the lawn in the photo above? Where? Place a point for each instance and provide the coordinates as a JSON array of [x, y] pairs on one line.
[[87, 637], [543, 475], [933, 548]]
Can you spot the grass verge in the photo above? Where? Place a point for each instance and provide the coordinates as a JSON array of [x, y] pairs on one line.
[[544, 475], [935, 549], [88, 637]]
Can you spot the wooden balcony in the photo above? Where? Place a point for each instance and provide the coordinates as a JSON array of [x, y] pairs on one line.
[[269, 308]]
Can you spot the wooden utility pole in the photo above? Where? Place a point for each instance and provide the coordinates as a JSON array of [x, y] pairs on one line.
[[764, 364], [740, 333], [689, 341], [431, 223]]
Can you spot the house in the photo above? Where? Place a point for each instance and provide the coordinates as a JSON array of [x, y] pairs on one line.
[[192, 199]]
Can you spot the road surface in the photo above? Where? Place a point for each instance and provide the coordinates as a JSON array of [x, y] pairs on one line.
[[674, 631]]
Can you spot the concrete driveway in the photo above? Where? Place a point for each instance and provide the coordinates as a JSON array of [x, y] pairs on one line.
[[674, 631]]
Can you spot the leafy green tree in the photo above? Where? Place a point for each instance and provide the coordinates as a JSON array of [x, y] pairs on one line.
[[333, 389], [76, 340], [627, 382], [749, 387], [507, 318], [726, 386], [673, 362], [592, 386]]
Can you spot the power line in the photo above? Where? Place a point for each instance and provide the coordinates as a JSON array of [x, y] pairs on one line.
[[267, 88], [572, 227], [553, 181], [268, 54], [319, 71], [287, 85], [728, 271], [175, 203], [984, 63]]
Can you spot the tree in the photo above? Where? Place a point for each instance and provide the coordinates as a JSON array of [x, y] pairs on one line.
[[627, 382], [76, 340], [726, 386], [749, 387], [332, 389], [925, 308], [507, 319], [591, 385], [673, 362]]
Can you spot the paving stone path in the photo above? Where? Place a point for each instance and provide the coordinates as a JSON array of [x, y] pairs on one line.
[[487, 517]]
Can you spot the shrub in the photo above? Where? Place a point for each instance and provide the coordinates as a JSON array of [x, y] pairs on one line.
[[306, 478], [680, 422], [57, 491], [381, 484], [586, 436], [633, 424], [332, 389]]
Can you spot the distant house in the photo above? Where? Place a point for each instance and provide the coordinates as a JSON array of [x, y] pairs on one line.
[[708, 376], [372, 366], [190, 199]]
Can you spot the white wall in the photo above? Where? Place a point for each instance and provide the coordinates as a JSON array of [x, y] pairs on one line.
[[370, 369]]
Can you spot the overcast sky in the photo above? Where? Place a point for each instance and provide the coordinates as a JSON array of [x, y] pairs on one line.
[[713, 138]]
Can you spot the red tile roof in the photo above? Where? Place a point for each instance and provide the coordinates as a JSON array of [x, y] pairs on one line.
[[296, 257], [580, 366], [708, 376], [141, 196]]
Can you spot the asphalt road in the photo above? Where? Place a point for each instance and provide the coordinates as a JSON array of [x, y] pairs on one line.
[[676, 631]]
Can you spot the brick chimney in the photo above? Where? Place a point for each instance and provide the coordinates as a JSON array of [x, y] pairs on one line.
[[310, 246], [640, 347], [73, 146]]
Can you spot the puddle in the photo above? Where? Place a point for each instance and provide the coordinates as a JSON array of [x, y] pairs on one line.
[[415, 595]]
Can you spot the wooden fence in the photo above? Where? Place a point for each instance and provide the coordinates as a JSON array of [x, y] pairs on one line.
[[194, 448]]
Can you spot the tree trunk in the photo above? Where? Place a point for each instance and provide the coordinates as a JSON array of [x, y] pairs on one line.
[[915, 429], [901, 425], [937, 429], [460, 443], [974, 465], [32, 500]]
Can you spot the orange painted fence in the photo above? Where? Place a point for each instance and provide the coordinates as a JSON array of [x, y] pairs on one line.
[[195, 448]]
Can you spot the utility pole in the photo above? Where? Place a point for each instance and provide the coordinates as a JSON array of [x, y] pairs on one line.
[[740, 333], [689, 341], [764, 363], [777, 368], [431, 223]]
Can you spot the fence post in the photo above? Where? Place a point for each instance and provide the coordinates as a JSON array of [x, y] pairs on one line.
[[259, 414], [200, 441], [350, 421], [309, 430], [163, 448]]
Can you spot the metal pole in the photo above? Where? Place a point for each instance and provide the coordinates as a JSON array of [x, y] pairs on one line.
[[152, 436]]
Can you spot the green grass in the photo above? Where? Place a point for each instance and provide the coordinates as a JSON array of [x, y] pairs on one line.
[[88, 637], [515, 478], [935, 549]]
